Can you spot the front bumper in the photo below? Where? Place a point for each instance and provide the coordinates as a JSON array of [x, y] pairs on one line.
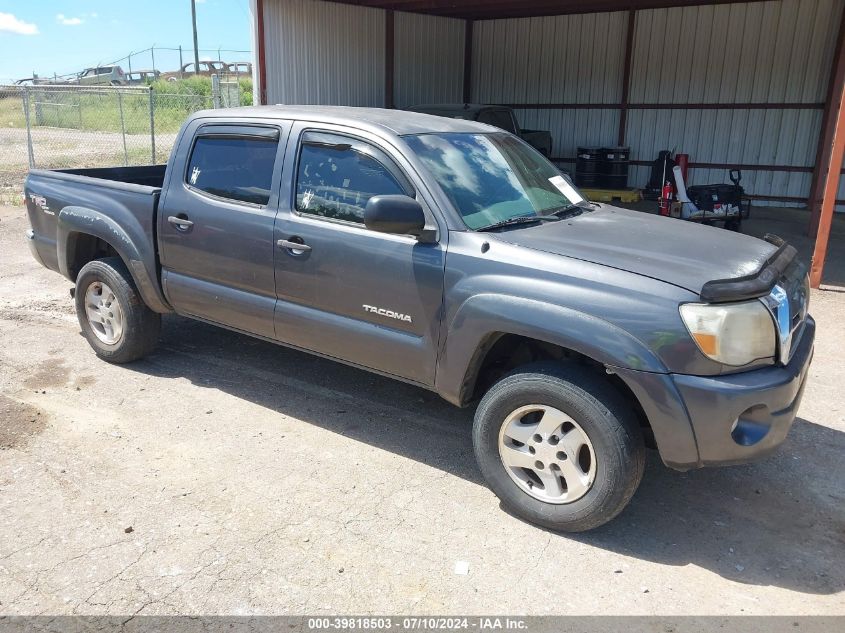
[[737, 418]]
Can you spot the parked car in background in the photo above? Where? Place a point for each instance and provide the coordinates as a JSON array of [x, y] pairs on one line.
[[206, 69], [241, 68], [501, 117], [141, 77], [453, 256], [105, 75]]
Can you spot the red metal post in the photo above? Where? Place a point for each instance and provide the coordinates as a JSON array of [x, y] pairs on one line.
[[834, 89], [262, 70], [831, 186]]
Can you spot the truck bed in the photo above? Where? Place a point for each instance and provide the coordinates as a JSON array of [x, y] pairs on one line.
[[116, 204], [146, 175]]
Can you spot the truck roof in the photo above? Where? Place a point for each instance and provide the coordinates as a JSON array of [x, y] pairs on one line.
[[457, 107], [399, 122]]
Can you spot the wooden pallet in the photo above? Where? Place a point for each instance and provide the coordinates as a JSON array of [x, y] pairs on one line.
[[609, 195]]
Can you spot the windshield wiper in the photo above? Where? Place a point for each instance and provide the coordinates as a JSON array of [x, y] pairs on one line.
[[568, 212], [520, 219]]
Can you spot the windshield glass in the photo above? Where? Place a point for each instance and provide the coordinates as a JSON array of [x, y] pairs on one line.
[[491, 178]]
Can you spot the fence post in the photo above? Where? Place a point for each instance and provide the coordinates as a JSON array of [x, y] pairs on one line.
[[25, 90], [215, 91], [122, 127], [152, 126]]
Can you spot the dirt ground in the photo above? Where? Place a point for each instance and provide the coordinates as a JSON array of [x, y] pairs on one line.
[[224, 475]]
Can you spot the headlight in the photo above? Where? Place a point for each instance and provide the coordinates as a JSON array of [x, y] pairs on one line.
[[731, 333]]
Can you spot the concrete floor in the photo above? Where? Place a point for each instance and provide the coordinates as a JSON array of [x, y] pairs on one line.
[[225, 475]]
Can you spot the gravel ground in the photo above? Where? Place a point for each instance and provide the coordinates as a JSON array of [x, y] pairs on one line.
[[224, 475]]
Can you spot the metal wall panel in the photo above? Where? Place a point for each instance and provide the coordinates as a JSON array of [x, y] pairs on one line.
[[779, 51], [323, 53], [560, 59], [567, 58], [429, 59], [775, 51]]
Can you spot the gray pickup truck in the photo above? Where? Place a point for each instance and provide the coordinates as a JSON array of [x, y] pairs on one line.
[[451, 255]]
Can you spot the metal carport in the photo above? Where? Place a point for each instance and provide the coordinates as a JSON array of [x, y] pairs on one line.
[[755, 84]]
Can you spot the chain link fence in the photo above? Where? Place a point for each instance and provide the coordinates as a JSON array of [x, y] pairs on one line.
[[72, 126]]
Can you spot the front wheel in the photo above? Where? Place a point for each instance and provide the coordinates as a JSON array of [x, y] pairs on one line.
[[113, 317], [559, 446]]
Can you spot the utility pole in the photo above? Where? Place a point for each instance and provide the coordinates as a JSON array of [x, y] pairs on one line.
[[196, 47]]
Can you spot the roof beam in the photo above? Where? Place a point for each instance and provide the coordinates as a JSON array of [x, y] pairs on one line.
[[495, 9]]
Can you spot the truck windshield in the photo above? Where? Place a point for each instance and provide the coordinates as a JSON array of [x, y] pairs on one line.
[[492, 178]]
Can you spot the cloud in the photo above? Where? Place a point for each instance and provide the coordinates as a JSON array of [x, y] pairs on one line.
[[9, 22], [63, 19]]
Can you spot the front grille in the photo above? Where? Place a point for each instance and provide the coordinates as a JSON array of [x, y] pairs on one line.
[[789, 301]]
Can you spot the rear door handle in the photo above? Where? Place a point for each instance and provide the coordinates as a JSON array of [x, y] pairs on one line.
[[180, 223], [296, 247]]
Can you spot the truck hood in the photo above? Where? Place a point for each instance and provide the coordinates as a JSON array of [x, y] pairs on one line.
[[675, 251]]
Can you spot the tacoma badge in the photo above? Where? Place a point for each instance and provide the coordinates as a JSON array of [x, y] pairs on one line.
[[388, 313]]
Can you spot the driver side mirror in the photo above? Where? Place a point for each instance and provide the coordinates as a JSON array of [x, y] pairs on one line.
[[401, 215]]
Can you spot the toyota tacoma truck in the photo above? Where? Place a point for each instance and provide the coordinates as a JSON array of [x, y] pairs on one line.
[[501, 117], [451, 255]]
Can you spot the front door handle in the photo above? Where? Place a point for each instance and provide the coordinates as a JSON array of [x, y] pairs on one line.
[[183, 224], [297, 248]]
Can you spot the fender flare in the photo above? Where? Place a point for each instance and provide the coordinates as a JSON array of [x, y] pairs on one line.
[[75, 220], [482, 319]]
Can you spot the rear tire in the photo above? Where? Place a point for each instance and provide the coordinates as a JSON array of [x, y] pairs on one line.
[[117, 323], [524, 421]]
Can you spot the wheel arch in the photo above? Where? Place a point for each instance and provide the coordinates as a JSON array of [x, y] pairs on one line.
[[502, 352], [84, 234], [485, 323]]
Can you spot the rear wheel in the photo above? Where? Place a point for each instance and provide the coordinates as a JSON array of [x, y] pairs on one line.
[[117, 323], [559, 446]]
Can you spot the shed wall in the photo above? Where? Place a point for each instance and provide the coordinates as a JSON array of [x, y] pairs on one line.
[[429, 59], [778, 51]]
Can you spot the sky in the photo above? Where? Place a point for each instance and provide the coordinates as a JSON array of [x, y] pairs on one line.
[[65, 36]]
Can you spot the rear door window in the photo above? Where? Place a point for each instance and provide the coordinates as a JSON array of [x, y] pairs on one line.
[[236, 168]]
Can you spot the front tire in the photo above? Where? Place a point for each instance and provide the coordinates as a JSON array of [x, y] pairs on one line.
[[559, 446], [117, 323]]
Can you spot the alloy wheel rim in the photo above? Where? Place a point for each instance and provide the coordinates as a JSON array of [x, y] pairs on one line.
[[104, 313], [547, 454]]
